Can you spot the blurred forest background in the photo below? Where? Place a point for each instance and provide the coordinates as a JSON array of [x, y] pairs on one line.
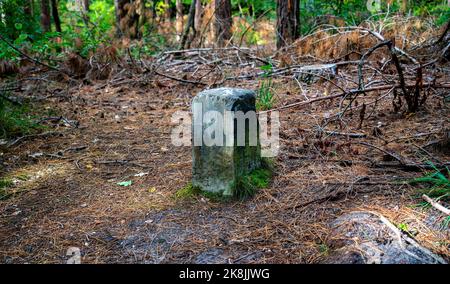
[[54, 28], [52, 32]]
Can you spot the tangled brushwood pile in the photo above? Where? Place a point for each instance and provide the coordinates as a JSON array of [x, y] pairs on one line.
[[360, 120]]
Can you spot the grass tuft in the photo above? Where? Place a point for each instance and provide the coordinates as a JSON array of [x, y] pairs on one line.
[[189, 192], [248, 185], [265, 98], [437, 184], [5, 183]]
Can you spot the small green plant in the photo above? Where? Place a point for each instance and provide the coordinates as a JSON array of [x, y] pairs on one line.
[[445, 223], [324, 249], [438, 185], [266, 98], [190, 192], [248, 185], [5, 182], [187, 192]]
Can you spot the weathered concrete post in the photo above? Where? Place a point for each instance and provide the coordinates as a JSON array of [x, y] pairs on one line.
[[225, 139]]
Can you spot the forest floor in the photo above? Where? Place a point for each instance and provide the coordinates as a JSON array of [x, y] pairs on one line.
[[66, 191]]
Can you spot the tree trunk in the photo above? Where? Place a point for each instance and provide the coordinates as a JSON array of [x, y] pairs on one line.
[[117, 8], [55, 15], [86, 6], [45, 16], [223, 22], [179, 19], [190, 25], [288, 15], [198, 15]]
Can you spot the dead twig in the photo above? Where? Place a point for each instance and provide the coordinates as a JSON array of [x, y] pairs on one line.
[[179, 79], [436, 205]]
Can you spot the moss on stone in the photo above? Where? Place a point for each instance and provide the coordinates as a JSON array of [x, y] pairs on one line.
[[245, 187], [189, 192]]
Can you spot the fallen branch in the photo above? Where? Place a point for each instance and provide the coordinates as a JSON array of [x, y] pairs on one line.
[[179, 79], [393, 155], [20, 139], [436, 205], [354, 91]]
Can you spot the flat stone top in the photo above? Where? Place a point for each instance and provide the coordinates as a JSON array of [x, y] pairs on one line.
[[221, 99], [227, 94]]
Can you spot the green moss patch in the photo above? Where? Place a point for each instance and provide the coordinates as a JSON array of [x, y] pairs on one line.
[[190, 192], [246, 186]]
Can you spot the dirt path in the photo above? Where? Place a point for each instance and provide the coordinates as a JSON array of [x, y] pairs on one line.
[[73, 199]]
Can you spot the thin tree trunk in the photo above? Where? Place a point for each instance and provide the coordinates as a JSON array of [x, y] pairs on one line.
[[223, 21], [288, 23], [83, 8], [198, 15], [211, 18], [190, 25], [45, 16], [118, 11], [179, 19], [55, 15], [86, 6]]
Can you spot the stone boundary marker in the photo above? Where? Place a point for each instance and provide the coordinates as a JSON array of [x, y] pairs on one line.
[[217, 169]]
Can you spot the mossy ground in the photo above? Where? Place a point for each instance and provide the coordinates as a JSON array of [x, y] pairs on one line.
[[16, 119], [5, 183], [246, 187]]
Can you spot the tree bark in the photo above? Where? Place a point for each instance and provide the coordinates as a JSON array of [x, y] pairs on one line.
[[198, 15], [179, 19], [190, 25], [55, 15], [288, 21], [86, 6], [117, 8], [223, 22], [45, 16]]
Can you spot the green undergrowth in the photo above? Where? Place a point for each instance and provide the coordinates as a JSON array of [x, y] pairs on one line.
[[5, 183], [247, 186], [16, 119], [191, 192], [436, 184]]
